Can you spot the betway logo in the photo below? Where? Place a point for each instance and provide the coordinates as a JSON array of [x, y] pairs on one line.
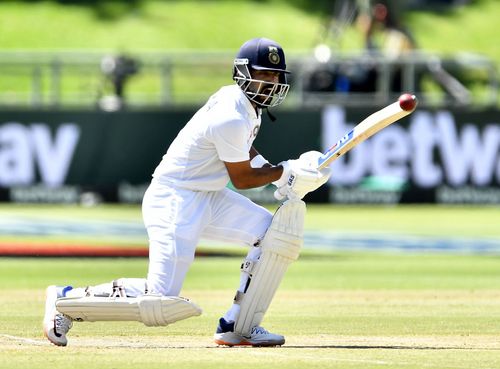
[[429, 151], [26, 150]]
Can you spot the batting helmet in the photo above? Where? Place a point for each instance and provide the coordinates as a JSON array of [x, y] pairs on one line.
[[264, 55]]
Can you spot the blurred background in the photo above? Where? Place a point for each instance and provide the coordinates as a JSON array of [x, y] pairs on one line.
[[400, 265], [93, 92]]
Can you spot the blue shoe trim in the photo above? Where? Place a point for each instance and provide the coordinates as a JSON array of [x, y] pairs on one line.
[[224, 326], [65, 290]]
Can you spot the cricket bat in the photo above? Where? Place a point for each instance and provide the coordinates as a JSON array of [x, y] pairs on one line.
[[377, 121]]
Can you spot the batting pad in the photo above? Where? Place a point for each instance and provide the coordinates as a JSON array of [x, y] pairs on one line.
[[280, 246], [152, 310]]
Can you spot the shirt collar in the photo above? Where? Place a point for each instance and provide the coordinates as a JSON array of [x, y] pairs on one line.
[[253, 113]]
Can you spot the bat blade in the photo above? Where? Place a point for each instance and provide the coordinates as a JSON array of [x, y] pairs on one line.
[[367, 128]]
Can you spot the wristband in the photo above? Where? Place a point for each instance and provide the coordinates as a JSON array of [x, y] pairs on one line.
[[258, 161]]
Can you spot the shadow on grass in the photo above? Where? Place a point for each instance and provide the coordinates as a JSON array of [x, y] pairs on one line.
[[387, 347]]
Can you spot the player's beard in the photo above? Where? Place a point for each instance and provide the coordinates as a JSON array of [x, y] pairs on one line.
[[263, 93]]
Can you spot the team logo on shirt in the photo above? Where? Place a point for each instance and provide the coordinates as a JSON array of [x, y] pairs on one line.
[[255, 131], [253, 134]]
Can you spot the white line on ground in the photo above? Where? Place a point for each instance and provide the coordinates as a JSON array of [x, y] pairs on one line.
[[25, 340]]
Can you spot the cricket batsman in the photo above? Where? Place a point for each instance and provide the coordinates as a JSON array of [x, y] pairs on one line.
[[188, 199]]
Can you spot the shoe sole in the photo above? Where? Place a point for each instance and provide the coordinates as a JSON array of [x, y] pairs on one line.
[[246, 343], [55, 343]]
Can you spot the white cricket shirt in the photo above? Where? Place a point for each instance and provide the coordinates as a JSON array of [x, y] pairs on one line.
[[222, 130]]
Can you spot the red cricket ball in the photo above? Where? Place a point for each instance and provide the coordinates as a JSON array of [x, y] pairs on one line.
[[408, 102]]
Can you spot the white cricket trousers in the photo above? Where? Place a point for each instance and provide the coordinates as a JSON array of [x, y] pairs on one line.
[[176, 219]]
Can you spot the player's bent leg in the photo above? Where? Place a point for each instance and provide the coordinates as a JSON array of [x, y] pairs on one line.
[[152, 310], [56, 324], [243, 222], [280, 246]]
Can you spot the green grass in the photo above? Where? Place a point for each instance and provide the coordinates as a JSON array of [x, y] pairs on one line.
[[444, 31], [172, 26], [209, 25], [334, 271], [424, 220], [336, 309], [156, 25], [341, 311], [475, 222]]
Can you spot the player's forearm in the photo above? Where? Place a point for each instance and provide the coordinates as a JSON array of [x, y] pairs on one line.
[[257, 177]]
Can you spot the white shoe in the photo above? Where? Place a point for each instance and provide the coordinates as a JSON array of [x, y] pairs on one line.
[[55, 324], [258, 336]]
